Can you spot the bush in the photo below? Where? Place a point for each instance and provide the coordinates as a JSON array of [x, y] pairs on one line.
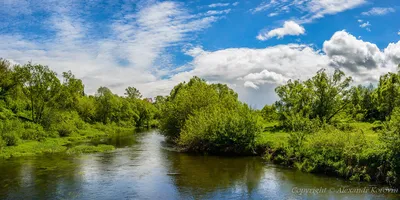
[[33, 131], [11, 138], [64, 123], [2, 143], [219, 130], [205, 117]]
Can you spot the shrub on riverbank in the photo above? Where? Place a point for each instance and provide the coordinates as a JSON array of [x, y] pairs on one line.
[[359, 153], [208, 118], [219, 130]]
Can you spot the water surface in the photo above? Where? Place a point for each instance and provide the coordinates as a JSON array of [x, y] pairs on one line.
[[143, 168]]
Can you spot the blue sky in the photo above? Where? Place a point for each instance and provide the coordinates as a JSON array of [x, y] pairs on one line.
[[253, 46]]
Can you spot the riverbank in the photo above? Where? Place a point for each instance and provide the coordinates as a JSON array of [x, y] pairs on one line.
[[78, 142], [353, 151]]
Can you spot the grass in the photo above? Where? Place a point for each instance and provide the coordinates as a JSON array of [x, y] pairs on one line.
[[90, 149], [61, 144], [352, 150], [272, 137]]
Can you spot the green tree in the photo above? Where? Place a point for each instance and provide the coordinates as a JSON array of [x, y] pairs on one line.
[[41, 86], [133, 93], [321, 97], [71, 90], [106, 103], [387, 94]]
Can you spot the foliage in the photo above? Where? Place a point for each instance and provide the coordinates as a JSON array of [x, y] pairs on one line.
[[208, 118], [90, 149], [133, 93], [36, 106], [321, 97], [219, 130]]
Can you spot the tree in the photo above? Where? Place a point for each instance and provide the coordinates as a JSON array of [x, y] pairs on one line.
[[321, 97], [133, 93], [387, 94], [106, 104], [41, 86]]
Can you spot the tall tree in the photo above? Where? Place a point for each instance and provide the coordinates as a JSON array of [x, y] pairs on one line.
[[41, 86], [321, 97], [133, 93]]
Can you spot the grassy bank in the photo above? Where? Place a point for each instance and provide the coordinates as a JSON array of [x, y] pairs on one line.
[[352, 151], [69, 144]]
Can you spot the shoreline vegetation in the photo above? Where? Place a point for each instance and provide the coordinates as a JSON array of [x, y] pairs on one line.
[[321, 125]]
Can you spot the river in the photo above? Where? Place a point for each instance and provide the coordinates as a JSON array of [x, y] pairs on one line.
[[142, 167]]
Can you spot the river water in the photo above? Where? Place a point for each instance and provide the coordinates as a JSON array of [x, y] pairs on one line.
[[142, 167]]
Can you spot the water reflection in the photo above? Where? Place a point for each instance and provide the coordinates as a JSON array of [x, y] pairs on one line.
[[208, 176], [142, 168]]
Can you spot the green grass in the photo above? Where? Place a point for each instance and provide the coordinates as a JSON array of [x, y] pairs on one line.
[[59, 144], [272, 136], [352, 150], [90, 149]]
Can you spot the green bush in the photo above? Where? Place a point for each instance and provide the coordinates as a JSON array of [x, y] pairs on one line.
[[62, 122], [219, 130], [2, 143], [205, 117], [11, 138], [33, 131]]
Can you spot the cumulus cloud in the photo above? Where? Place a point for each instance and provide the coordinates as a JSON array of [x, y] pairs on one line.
[[289, 28], [250, 85], [392, 52], [265, 76], [347, 51], [378, 11], [262, 69]]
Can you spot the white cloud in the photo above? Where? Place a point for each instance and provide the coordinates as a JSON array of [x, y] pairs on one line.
[[133, 54], [235, 3], [348, 52], [378, 11], [319, 8], [264, 6], [366, 25], [392, 52], [263, 77], [250, 85], [145, 35], [214, 5], [218, 12], [289, 28], [273, 14], [312, 9]]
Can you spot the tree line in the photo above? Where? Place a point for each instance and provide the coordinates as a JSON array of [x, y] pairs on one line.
[[35, 103]]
